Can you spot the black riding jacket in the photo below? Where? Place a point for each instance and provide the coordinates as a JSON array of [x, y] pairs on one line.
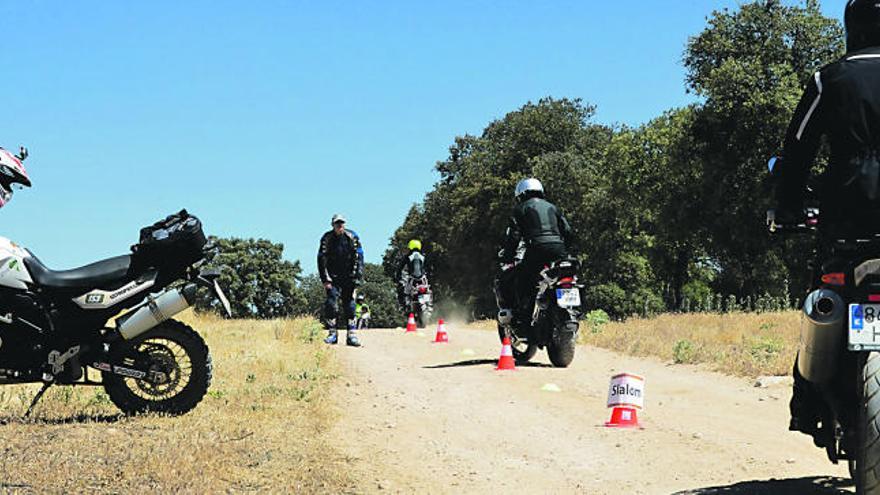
[[340, 257], [842, 102], [537, 222], [412, 266]]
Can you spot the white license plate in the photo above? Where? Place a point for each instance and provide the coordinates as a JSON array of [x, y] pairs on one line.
[[568, 298], [425, 298], [864, 327]]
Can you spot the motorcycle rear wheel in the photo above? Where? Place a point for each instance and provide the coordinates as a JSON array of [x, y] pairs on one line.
[[561, 347], [173, 348], [867, 465]]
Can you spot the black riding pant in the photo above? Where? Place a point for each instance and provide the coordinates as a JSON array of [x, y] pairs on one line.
[[526, 277], [340, 295]]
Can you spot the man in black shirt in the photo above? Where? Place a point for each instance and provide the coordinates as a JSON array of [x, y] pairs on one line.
[[842, 102], [341, 268]]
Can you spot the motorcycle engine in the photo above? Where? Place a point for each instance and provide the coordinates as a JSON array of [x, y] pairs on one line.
[[21, 338]]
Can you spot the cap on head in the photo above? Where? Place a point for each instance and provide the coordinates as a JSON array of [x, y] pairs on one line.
[[415, 245], [337, 218]]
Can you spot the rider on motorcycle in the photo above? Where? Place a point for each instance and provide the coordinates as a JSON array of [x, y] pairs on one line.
[[841, 101], [545, 232], [361, 311], [411, 269]]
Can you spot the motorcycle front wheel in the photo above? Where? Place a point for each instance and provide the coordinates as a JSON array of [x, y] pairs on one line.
[[867, 465], [171, 348]]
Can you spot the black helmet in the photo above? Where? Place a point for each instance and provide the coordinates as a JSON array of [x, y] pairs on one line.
[[862, 20]]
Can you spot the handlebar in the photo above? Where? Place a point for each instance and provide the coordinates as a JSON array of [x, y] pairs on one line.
[[808, 224]]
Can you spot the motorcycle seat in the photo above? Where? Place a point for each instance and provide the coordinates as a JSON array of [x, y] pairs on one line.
[[88, 277]]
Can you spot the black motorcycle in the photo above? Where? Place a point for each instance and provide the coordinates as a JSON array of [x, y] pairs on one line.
[[113, 316], [839, 352], [554, 320], [418, 300]]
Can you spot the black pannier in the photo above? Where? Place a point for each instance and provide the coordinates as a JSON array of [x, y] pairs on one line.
[[177, 240]]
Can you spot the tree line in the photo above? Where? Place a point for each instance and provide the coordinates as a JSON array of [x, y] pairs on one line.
[[668, 215]]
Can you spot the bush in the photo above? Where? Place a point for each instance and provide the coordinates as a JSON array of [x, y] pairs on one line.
[[596, 319], [609, 298], [684, 351]]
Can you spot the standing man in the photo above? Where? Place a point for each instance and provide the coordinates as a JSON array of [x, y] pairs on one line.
[[341, 268]]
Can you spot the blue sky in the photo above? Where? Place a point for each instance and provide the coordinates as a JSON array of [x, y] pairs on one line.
[[264, 118]]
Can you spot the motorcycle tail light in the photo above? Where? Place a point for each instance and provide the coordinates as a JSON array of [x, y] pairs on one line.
[[874, 298], [566, 280], [423, 290], [836, 278]]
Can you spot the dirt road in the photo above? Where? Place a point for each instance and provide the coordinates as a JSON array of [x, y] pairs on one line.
[[436, 418]]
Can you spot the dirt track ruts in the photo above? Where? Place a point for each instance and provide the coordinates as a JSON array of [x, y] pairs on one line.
[[419, 417]]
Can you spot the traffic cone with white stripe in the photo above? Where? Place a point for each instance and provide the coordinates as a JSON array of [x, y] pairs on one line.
[[505, 362], [441, 336], [411, 323], [623, 417]]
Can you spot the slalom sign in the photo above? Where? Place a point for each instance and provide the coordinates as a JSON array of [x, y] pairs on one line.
[[626, 390]]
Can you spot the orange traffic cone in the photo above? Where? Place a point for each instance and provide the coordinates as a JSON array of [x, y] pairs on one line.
[[505, 362], [623, 417], [411, 323], [441, 337]]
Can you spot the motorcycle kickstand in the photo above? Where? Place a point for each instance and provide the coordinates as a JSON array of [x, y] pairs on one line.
[[37, 398]]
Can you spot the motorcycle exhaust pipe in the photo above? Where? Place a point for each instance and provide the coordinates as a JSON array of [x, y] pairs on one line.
[[155, 311], [822, 334]]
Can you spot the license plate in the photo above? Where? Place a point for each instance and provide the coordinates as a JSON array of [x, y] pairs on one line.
[[568, 298], [864, 327], [223, 300], [425, 298]]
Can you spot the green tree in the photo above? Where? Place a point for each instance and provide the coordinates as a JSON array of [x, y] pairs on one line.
[[750, 65], [255, 277], [380, 295]]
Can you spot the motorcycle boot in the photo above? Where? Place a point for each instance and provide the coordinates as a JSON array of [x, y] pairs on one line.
[[332, 338], [804, 409], [351, 337]]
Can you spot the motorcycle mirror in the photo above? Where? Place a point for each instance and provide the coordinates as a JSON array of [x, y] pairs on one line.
[[22, 153], [771, 165]]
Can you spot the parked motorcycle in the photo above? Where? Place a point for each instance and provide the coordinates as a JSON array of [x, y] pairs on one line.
[[113, 316], [418, 300], [554, 321], [839, 353]]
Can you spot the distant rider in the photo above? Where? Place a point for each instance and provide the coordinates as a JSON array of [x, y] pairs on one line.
[[842, 102], [411, 269], [543, 230], [341, 268], [361, 311]]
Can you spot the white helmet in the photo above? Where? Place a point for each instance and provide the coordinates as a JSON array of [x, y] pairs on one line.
[[528, 185]]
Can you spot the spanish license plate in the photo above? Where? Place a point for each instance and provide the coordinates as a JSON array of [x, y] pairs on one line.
[[568, 298], [864, 327], [425, 298]]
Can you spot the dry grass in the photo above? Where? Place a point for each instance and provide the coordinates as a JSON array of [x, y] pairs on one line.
[[259, 429], [744, 344]]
